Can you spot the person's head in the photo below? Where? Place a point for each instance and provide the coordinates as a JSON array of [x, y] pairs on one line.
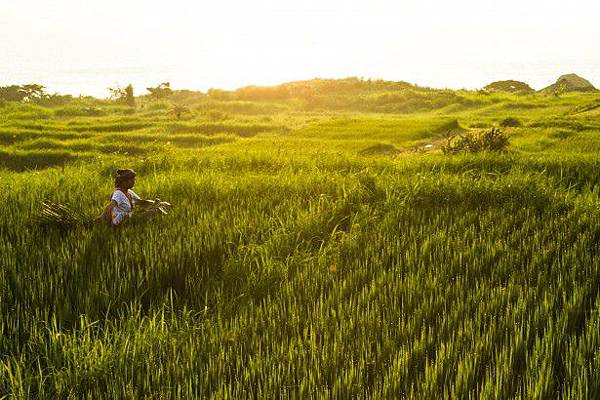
[[125, 178]]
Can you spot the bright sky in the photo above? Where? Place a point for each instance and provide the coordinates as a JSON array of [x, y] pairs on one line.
[[85, 45]]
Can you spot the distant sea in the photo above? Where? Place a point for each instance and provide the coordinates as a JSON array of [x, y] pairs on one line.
[[94, 80]]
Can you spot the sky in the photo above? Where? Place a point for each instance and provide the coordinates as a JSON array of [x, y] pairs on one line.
[[85, 46]]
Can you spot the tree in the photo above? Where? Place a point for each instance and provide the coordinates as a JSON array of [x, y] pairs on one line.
[[161, 91], [123, 95], [33, 92], [129, 98], [11, 93], [25, 93]]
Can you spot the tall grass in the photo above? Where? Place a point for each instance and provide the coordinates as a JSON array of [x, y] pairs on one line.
[[295, 265]]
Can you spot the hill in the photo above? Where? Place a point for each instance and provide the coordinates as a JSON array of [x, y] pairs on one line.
[[570, 83]]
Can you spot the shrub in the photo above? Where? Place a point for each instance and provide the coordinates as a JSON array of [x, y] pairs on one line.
[[79, 111], [510, 122], [473, 142], [379, 149], [177, 110], [54, 100], [450, 126]]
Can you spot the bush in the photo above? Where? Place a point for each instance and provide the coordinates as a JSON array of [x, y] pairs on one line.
[[379, 149], [510, 122], [473, 142], [54, 100], [178, 110], [79, 111]]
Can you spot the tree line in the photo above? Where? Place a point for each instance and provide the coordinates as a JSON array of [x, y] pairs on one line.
[[36, 93]]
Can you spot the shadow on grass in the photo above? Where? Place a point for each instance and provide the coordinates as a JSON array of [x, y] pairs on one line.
[[22, 161]]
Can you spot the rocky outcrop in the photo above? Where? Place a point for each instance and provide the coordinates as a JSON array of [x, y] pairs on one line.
[[570, 83]]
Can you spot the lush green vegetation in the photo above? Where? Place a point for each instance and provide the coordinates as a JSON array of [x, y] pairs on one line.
[[321, 245]]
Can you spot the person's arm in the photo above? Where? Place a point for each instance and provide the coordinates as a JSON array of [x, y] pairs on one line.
[[138, 201], [143, 202], [135, 199]]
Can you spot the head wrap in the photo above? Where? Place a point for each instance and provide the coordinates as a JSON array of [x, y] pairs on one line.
[[123, 175]]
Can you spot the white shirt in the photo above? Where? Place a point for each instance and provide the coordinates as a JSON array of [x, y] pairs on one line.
[[123, 208]]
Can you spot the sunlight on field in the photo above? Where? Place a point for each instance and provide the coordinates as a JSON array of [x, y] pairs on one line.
[[321, 244]]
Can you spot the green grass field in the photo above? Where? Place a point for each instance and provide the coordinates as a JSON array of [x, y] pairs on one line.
[[321, 247]]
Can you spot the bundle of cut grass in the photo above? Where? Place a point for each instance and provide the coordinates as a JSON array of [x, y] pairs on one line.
[[61, 216], [145, 209]]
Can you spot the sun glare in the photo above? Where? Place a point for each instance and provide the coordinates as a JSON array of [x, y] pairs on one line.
[[231, 43]]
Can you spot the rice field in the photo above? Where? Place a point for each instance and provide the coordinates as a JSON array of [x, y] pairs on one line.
[[311, 252]]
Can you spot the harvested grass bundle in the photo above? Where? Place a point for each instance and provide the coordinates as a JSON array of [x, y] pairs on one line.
[[61, 216], [146, 209]]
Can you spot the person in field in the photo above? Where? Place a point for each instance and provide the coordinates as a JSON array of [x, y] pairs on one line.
[[122, 200]]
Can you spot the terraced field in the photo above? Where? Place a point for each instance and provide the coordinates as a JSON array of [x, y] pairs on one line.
[[312, 252]]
